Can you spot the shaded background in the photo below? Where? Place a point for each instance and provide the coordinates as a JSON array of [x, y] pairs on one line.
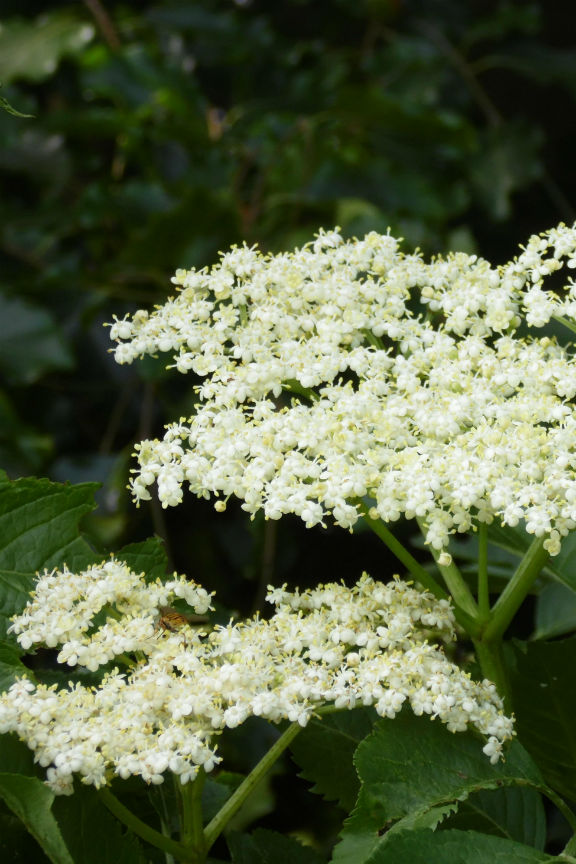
[[164, 132]]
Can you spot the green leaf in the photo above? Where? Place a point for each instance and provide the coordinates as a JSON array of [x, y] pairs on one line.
[[214, 795], [5, 105], [427, 819], [517, 541], [31, 50], [544, 701], [10, 666], [562, 565], [268, 847], [324, 750], [454, 847], [91, 833], [147, 557], [17, 758], [39, 524], [31, 801], [516, 813], [411, 764], [555, 611], [32, 343], [38, 529]]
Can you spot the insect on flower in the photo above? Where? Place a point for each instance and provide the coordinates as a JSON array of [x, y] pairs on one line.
[[171, 621]]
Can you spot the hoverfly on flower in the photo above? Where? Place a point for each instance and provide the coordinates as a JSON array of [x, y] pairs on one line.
[[170, 620]]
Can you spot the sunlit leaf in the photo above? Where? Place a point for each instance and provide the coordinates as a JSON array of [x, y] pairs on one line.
[[38, 529], [31, 50]]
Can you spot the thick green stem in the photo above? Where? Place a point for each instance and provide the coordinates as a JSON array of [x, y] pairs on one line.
[[150, 835], [191, 830], [513, 595], [483, 592], [217, 825], [491, 661]]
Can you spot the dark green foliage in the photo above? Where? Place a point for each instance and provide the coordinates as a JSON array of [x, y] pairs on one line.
[[544, 699], [267, 847], [325, 750]]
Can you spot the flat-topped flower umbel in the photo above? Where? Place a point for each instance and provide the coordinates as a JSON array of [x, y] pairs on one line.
[[338, 646], [412, 386]]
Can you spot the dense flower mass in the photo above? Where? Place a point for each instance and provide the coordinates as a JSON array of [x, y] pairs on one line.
[[368, 645], [409, 383]]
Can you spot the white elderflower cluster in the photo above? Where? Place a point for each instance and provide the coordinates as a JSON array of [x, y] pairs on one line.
[[65, 605], [410, 384], [368, 645]]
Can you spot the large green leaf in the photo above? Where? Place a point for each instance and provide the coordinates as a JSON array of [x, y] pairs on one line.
[[268, 847], [544, 701], [454, 847], [410, 765], [38, 529], [325, 750], [32, 49], [515, 813], [31, 801]]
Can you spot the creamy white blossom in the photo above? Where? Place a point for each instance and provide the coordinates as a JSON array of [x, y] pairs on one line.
[[347, 369], [65, 604], [373, 644]]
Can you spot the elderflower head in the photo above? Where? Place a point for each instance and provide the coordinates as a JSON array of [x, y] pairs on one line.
[[333, 645], [410, 385], [64, 605]]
